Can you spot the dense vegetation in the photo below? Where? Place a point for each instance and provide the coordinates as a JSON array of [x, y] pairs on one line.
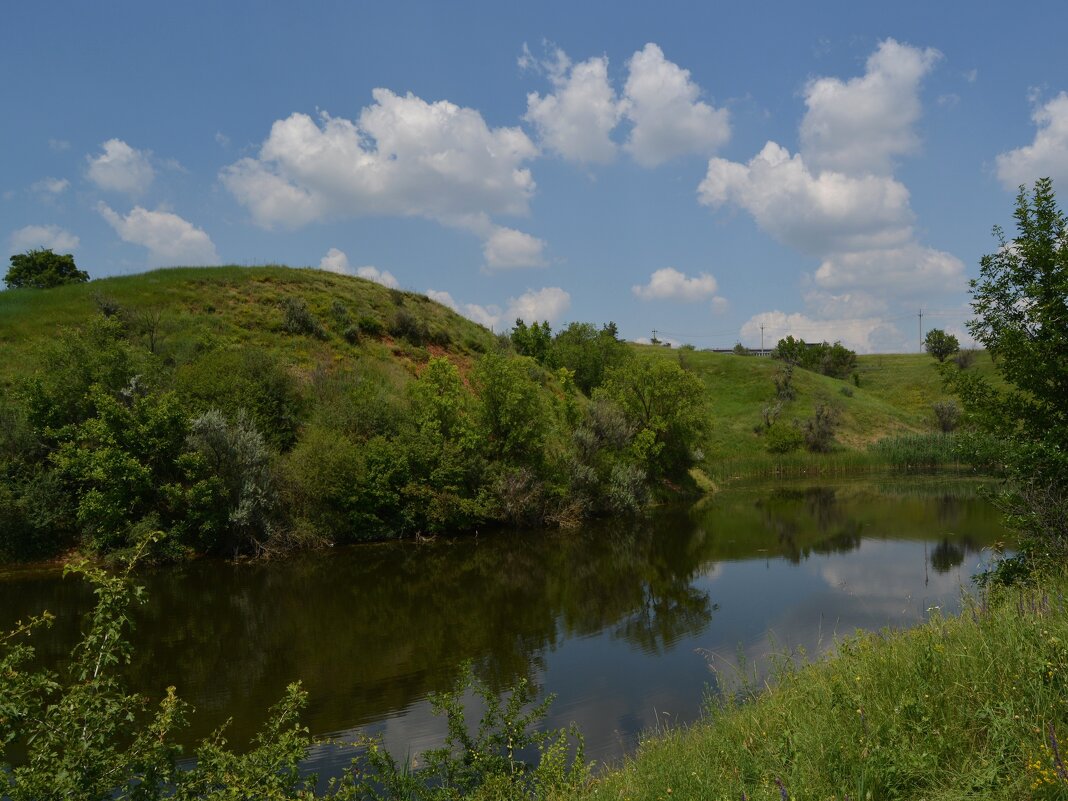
[[408, 420]]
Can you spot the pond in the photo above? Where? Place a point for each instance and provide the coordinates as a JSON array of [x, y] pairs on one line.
[[621, 619]]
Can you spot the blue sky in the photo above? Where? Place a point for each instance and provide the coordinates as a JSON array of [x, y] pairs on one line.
[[701, 169]]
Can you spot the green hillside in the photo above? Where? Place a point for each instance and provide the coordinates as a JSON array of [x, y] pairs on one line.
[[254, 408]]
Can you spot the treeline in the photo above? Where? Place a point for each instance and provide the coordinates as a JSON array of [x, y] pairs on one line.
[[226, 451]]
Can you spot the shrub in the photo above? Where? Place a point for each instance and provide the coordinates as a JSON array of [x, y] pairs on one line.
[[784, 382], [409, 327], [106, 304], [965, 358], [352, 334], [783, 438], [847, 391], [819, 429], [298, 319], [947, 415], [371, 326], [340, 312]]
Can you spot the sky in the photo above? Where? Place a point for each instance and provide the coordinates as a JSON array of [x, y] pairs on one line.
[[827, 170]]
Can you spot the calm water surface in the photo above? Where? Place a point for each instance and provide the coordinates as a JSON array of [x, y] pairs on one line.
[[619, 619]]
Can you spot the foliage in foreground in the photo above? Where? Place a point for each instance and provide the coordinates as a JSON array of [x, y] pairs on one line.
[[1021, 304], [86, 737], [961, 707]]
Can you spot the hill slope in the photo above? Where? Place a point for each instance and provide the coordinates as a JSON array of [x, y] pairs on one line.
[[238, 406]]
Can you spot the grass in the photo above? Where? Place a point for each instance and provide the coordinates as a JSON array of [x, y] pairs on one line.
[[233, 307], [202, 309], [974, 706]]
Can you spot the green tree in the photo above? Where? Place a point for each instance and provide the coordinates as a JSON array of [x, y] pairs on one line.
[[589, 352], [664, 404], [533, 340], [1021, 305], [940, 344], [43, 269]]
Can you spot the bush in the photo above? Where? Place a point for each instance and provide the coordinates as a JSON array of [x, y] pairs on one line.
[[340, 312], [947, 415], [847, 391], [783, 438], [371, 326], [298, 319], [352, 334], [409, 327], [819, 429], [965, 358]]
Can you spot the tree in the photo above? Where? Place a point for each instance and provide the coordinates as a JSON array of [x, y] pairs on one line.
[[665, 405], [43, 269], [1021, 305], [533, 341], [940, 344]]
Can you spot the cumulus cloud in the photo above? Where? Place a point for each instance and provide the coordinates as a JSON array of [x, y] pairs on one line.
[[50, 237], [1047, 155], [548, 303], [403, 156], [576, 120], [170, 240], [669, 118], [661, 101], [335, 261], [383, 277], [507, 248], [670, 284], [121, 168], [50, 187], [838, 202], [862, 124]]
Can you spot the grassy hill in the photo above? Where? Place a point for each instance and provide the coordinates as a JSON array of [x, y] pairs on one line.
[[204, 308], [198, 309], [121, 401]]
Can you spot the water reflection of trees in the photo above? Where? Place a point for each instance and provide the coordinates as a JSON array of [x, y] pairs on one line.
[[372, 629]]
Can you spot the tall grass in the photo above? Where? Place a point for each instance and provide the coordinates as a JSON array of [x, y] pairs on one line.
[[974, 706], [917, 451]]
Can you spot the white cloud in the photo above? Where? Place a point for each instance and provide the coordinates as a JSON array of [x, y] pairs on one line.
[[577, 119], [1047, 155], [814, 212], [507, 248], [335, 261], [121, 168], [669, 119], [170, 239], [51, 237], [403, 156], [670, 284], [660, 100], [51, 186], [860, 125], [383, 277], [58, 145], [838, 202], [548, 303]]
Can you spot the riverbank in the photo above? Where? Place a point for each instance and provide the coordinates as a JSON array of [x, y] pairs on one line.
[[973, 706]]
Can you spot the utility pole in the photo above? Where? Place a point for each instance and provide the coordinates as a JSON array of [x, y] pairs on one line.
[[921, 330], [762, 339], [654, 339]]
